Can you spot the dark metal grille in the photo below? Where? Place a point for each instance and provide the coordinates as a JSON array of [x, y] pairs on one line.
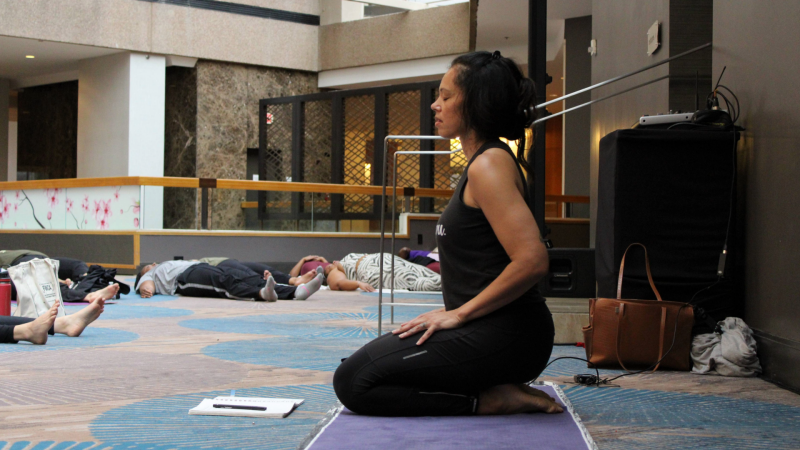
[[317, 153], [447, 169], [359, 149], [403, 109], [278, 155]]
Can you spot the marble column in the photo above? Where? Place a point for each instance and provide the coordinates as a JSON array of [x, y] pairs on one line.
[[227, 125], [180, 146]]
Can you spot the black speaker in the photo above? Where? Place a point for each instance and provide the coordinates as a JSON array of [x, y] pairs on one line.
[[673, 191], [571, 274]]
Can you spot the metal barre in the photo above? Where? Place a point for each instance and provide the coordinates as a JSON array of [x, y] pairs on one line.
[[598, 100], [615, 79], [394, 208]]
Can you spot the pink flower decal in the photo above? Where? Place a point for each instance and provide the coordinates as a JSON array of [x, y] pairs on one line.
[[17, 195], [121, 211], [52, 197], [116, 193], [107, 209], [98, 208], [135, 206], [69, 205], [136, 222], [85, 204], [16, 206], [102, 224], [49, 215]]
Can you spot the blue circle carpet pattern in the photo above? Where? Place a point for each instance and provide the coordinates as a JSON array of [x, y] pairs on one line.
[[317, 341], [91, 337]]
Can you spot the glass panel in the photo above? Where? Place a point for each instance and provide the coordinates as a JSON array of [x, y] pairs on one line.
[[359, 147], [317, 154], [279, 155], [403, 110]]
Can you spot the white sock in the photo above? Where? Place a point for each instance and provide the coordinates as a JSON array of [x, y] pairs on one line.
[[268, 292], [305, 290]]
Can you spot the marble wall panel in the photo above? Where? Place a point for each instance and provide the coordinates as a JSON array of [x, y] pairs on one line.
[[180, 146], [47, 140], [227, 124]]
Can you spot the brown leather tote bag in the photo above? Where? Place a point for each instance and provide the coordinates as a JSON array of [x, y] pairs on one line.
[[639, 334]]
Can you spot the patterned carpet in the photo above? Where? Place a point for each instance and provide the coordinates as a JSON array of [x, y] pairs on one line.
[[129, 381]]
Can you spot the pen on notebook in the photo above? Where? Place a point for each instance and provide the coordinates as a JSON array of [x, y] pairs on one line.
[[251, 408]]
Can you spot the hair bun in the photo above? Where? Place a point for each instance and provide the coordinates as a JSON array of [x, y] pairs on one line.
[[530, 116], [496, 54]]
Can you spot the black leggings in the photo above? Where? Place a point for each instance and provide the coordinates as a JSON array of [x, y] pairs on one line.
[[259, 268], [203, 280], [7, 325], [442, 377], [284, 290]]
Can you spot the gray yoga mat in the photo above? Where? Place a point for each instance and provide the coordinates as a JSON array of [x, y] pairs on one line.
[[347, 430]]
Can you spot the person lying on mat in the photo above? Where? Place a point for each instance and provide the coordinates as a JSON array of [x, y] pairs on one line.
[[335, 277], [495, 333], [15, 329], [196, 279], [264, 270], [421, 257], [69, 272], [361, 271]]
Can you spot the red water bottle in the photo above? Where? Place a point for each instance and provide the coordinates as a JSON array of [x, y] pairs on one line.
[[5, 296]]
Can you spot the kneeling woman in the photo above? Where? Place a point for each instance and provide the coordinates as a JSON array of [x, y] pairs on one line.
[[495, 332]]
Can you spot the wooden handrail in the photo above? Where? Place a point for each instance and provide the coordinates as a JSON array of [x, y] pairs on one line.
[[177, 182], [567, 198]]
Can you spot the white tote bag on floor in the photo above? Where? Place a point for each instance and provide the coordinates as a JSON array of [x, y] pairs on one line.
[[37, 287]]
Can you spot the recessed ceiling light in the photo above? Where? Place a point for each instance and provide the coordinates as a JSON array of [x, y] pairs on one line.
[[30, 56]]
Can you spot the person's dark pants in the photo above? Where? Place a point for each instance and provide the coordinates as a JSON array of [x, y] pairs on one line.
[[257, 267], [67, 268], [7, 325], [204, 280], [395, 377]]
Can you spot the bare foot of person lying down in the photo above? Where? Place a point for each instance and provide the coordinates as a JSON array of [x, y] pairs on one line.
[[303, 279], [512, 399], [74, 324], [36, 332], [106, 293]]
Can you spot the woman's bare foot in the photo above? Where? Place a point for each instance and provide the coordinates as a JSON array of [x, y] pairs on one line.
[[106, 293], [533, 391], [36, 332], [303, 279], [512, 399], [74, 324]]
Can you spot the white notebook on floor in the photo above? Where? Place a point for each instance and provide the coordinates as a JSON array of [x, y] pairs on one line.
[[246, 407]]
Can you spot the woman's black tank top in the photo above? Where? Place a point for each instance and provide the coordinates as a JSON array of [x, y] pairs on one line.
[[470, 254]]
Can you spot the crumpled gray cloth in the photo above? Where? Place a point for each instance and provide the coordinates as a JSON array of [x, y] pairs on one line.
[[730, 354]]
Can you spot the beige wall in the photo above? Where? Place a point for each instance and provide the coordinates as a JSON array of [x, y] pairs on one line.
[[757, 41], [171, 30], [397, 37], [620, 28]]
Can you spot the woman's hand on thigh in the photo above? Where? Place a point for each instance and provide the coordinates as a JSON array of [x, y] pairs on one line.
[[429, 323]]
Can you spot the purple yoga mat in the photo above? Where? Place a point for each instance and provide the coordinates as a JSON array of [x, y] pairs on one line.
[[541, 431]]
